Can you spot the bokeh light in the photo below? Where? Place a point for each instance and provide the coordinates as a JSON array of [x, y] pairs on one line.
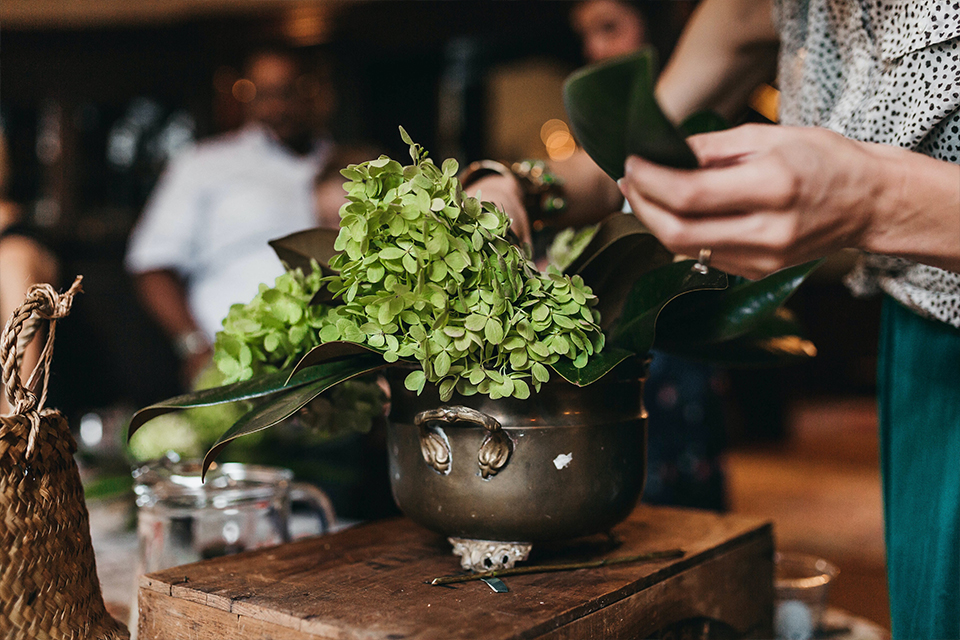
[[557, 139], [244, 90]]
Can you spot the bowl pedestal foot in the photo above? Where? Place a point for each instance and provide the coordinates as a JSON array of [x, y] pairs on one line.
[[489, 555]]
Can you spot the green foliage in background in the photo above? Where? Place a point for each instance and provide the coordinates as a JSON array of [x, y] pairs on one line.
[[272, 331], [568, 244]]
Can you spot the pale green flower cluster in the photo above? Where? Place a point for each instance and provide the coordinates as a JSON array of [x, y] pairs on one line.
[[427, 273]]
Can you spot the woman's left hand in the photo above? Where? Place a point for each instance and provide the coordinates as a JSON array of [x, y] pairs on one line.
[[765, 198], [505, 192]]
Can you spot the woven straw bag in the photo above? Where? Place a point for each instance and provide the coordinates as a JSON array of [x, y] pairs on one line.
[[48, 575]]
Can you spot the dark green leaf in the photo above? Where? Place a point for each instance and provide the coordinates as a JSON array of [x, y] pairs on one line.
[[636, 327], [621, 251], [704, 122], [331, 352], [280, 407], [777, 340], [598, 366], [614, 114], [650, 134], [254, 388], [716, 317], [611, 229], [298, 249]]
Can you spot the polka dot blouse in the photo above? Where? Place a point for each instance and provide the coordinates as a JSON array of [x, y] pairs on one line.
[[884, 71]]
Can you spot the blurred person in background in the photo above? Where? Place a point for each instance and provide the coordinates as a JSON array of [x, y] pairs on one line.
[[201, 247], [609, 28], [687, 430], [201, 244], [24, 261]]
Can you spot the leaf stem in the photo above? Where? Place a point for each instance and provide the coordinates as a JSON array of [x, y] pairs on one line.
[[547, 568]]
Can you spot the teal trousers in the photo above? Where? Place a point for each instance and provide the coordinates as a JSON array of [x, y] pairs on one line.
[[919, 411]]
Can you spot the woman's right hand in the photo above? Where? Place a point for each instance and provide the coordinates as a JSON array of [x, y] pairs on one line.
[[773, 196]]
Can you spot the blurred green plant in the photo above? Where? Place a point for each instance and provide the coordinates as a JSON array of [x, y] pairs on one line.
[[270, 333], [569, 243]]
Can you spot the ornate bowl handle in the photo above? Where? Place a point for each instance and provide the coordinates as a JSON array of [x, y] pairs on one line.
[[494, 452]]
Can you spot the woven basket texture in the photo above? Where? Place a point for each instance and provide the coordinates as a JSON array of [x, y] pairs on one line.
[[48, 575]]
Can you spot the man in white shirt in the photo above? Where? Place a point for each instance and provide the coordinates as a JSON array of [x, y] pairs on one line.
[[201, 244]]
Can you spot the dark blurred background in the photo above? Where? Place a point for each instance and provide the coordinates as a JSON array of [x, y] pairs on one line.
[[96, 97]]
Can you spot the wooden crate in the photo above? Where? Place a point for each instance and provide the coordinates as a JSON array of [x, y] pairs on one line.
[[370, 583]]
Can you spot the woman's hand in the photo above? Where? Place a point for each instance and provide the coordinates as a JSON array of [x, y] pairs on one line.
[[768, 197], [506, 193]]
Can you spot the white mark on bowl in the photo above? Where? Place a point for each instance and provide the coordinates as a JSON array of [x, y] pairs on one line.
[[562, 460]]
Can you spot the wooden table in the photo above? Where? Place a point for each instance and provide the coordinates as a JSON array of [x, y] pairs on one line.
[[369, 583]]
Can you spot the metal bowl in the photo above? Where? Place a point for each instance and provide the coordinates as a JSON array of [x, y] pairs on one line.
[[567, 462]]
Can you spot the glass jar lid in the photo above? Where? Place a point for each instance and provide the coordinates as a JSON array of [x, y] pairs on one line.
[[177, 484]]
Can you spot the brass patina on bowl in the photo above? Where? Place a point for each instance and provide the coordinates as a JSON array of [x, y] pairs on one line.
[[498, 475]]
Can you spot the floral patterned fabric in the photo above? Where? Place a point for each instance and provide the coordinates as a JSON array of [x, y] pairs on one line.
[[884, 71]]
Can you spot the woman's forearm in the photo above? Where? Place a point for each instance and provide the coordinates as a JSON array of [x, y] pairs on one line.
[[727, 49], [917, 213]]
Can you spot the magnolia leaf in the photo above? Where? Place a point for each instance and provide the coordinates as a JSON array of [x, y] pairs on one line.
[[298, 249], [704, 122], [614, 114], [620, 252], [599, 365], [331, 352], [283, 405], [749, 352], [636, 327], [717, 317], [778, 339], [609, 230], [254, 388], [650, 134]]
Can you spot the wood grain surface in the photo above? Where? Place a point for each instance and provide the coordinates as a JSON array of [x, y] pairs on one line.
[[370, 583]]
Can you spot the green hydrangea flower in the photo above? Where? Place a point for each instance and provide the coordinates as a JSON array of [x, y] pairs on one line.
[[427, 273]]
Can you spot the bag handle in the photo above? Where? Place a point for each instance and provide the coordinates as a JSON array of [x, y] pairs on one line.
[[42, 303]]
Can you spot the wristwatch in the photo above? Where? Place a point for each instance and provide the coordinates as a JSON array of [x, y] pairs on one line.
[[543, 195]]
